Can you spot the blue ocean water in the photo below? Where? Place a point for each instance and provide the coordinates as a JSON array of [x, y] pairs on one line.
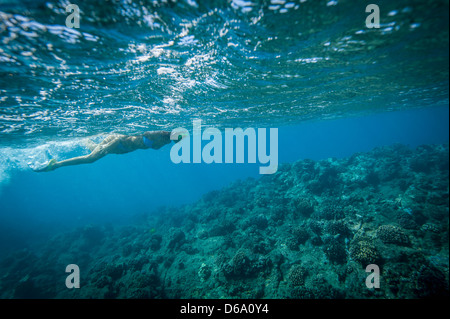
[[118, 188], [312, 69]]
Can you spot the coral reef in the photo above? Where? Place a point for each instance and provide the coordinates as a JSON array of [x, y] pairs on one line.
[[391, 234], [296, 276], [364, 252], [308, 231], [335, 251]]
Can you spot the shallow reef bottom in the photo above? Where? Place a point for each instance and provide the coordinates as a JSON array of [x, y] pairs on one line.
[[308, 231]]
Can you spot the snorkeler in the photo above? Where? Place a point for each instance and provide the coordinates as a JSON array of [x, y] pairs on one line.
[[114, 144]]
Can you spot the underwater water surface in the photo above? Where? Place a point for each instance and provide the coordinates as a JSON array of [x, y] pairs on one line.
[[362, 119]]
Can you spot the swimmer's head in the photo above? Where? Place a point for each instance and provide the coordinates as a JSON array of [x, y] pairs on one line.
[[178, 134], [179, 138]]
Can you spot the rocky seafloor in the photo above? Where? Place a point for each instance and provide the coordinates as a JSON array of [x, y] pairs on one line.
[[308, 231]]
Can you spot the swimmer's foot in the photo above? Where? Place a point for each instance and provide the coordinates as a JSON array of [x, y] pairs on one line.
[[50, 166]]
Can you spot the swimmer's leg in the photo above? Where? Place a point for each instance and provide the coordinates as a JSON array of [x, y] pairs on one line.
[[110, 138], [53, 164], [99, 152], [90, 145], [107, 146]]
